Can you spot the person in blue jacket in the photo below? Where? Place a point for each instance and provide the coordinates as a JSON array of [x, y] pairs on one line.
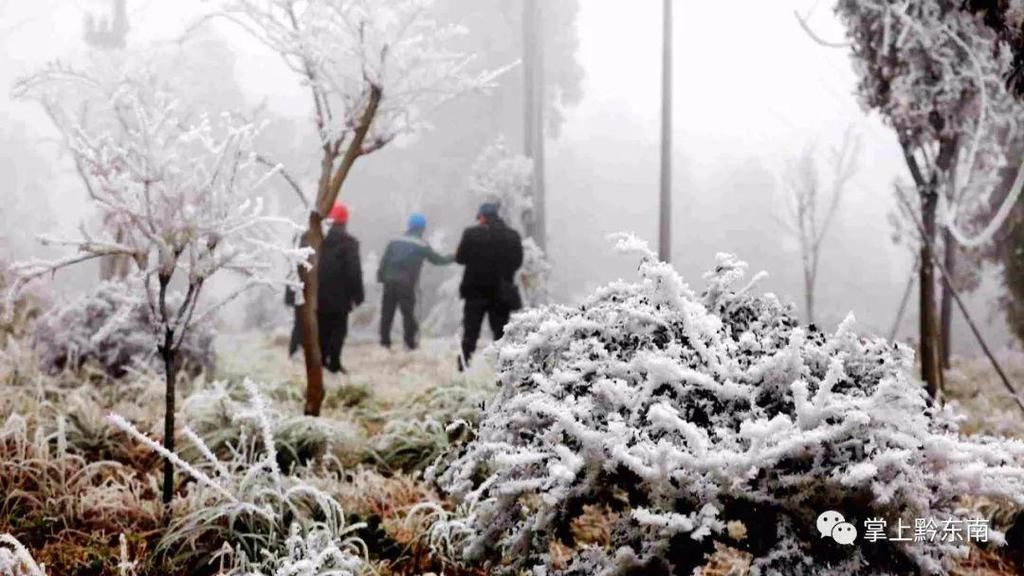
[[399, 272]]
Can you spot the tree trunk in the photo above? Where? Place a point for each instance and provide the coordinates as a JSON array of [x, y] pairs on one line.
[[169, 354], [115, 267], [809, 296], [665, 204], [927, 191], [903, 305], [931, 366], [533, 115], [946, 306], [309, 325], [331, 181]]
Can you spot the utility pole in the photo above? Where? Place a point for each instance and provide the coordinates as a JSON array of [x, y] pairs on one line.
[[665, 204], [533, 113]]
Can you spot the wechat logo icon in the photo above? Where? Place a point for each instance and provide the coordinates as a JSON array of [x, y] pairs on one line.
[[832, 524]]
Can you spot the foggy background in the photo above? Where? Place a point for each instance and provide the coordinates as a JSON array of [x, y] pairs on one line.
[[750, 94]]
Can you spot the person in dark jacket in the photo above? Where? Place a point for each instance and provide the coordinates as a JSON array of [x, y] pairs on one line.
[[492, 253], [291, 300], [399, 272], [340, 287]]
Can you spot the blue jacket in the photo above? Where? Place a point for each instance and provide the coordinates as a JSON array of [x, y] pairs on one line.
[[403, 260]]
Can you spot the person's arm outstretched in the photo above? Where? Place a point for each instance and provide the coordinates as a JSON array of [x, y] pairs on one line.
[[436, 259]]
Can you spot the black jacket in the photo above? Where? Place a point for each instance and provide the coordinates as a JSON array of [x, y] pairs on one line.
[[340, 273], [491, 254], [403, 260]]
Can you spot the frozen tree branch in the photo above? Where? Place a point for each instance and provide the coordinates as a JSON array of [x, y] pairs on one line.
[[814, 35], [292, 182], [805, 220], [904, 44]]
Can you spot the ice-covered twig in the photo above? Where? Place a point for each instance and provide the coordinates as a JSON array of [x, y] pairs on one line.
[[16, 558], [120, 423]]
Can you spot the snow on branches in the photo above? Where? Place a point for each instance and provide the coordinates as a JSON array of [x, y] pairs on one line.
[[503, 177], [936, 74], [388, 58], [679, 414], [16, 560], [178, 194], [272, 521], [179, 200], [112, 326]]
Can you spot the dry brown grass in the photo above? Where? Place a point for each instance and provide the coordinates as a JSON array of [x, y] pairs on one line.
[[974, 386], [69, 500]]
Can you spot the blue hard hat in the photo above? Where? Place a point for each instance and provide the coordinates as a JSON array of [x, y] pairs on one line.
[[417, 221], [488, 209]]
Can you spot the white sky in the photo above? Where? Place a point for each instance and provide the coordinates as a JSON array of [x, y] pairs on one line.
[[748, 81]]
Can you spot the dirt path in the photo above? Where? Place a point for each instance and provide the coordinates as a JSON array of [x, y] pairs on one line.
[[391, 376]]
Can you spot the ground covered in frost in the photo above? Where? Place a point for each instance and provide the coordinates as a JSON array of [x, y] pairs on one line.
[[605, 438]]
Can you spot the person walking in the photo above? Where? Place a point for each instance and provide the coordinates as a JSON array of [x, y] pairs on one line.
[[399, 272], [492, 252], [292, 300], [340, 287]]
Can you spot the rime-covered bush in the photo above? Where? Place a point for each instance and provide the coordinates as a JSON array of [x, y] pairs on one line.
[[212, 414], [113, 327], [249, 514], [686, 415], [15, 559], [416, 433]]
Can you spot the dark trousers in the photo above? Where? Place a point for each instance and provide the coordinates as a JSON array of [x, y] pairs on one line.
[[333, 329], [473, 319], [402, 297], [296, 340]]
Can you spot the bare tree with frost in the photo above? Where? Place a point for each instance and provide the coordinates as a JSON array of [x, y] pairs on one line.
[[812, 205], [679, 415], [180, 195], [936, 75], [374, 69]]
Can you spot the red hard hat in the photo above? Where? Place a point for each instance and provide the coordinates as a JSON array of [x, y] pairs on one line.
[[339, 213]]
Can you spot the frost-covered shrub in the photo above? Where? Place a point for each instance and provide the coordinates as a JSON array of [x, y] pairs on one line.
[[534, 276], [686, 413], [212, 414], [416, 433], [248, 513], [113, 327], [15, 559]]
